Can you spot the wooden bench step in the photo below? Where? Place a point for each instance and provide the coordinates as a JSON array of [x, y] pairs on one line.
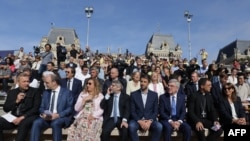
[[115, 132]]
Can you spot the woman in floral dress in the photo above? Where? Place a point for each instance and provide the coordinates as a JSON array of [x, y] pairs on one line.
[[88, 120]]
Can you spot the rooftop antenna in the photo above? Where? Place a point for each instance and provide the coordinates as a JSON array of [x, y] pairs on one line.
[[52, 24], [158, 28]]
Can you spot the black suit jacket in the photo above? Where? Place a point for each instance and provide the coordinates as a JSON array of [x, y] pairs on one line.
[[124, 109], [31, 102], [190, 89], [195, 108], [226, 113]]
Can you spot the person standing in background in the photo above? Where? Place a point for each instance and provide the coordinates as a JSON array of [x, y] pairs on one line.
[[203, 54], [60, 53], [21, 53], [46, 57], [73, 51]]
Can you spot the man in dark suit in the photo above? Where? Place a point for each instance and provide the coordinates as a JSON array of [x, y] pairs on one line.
[[116, 112], [94, 72], [55, 111], [192, 86], [144, 112], [172, 110], [114, 75], [202, 113], [22, 102], [51, 67], [216, 90], [71, 83]]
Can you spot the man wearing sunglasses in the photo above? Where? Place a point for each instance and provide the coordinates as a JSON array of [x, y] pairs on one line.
[[71, 83]]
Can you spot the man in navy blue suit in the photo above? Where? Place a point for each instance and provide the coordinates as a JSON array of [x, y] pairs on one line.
[[216, 90], [144, 112], [192, 86], [71, 83], [172, 110], [55, 111]]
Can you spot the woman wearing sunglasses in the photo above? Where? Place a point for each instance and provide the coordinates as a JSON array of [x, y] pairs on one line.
[[88, 120], [231, 109]]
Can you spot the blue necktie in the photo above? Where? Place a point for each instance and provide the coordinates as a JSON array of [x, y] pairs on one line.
[[173, 106], [115, 108]]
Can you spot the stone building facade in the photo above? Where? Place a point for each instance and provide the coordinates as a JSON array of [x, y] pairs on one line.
[[163, 46], [64, 36]]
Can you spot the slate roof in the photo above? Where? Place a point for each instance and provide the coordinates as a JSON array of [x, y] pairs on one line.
[[68, 33], [241, 45], [157, 40]]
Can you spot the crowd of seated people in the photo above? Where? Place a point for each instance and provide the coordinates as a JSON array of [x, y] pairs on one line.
[[92, 96]]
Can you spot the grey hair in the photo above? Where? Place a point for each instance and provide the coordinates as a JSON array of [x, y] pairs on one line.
[[95, 68], [177, 83], [46, 73], [118, 83]]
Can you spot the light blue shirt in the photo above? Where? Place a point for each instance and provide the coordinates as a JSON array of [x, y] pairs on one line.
[[107, 96], [62, 73]]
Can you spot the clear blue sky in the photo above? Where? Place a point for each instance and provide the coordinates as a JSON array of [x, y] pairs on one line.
[[127, 23]]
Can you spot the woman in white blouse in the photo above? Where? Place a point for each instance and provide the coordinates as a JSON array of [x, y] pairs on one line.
[[134, 83], [155, 85]]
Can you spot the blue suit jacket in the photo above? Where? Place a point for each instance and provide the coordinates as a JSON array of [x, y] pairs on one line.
[[76, 87], [64, 104], [138, 111], [216, 94], [165, 107]]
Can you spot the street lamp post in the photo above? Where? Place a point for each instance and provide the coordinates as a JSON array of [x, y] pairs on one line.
[[89, 11], [188, 16]]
